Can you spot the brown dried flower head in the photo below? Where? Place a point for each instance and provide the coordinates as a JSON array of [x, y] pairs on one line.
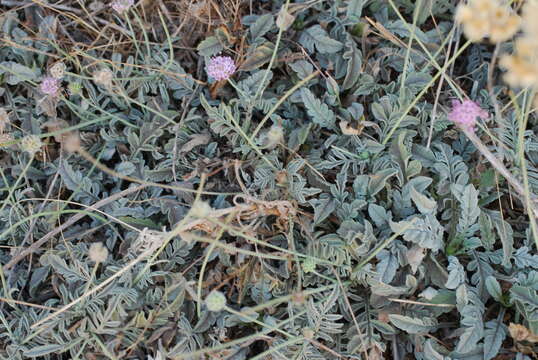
[[57, 70], [98, 252], [487, 18], [522, 65], [4, 120], [103, 77]]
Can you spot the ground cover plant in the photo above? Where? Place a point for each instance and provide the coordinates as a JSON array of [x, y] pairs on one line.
[[276, 179]]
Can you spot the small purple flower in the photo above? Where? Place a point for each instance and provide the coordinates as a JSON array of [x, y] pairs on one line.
[[50, 86], [122, 5], [465, 113], [221, 67]]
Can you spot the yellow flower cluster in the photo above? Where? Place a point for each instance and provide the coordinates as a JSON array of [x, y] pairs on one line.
[[522, 65], [487, 18]]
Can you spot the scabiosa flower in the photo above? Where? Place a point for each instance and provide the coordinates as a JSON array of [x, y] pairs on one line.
[[220, 67], [122, 5], [50, 86], [464, 114]]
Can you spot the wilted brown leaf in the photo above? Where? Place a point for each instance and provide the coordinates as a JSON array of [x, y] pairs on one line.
[[519, 332]]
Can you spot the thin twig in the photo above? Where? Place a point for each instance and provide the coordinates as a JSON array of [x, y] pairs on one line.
[[18, 302], [403, 301]]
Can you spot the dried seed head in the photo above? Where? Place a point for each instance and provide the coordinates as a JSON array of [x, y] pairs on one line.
[[309, 265], [148, 240], [71, 142], [103, 77], [487, 18], [57, 71], [308, 333], [200, 209], [274, 136], [4, 120], [215, 301], [521, 71], [529, 13], [298, 298], [221, 67], [31, 144], [98, 252]]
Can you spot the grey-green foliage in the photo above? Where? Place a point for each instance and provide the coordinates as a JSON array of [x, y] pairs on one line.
[[378, 224]]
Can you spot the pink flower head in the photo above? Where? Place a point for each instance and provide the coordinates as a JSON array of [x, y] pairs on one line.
[[50, 86], [221, 67], [122, 5], [465, 113]]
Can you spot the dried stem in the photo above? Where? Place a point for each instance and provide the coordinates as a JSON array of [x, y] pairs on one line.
[[499, 166]]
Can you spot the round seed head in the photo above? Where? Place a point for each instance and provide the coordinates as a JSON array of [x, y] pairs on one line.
[[103, 77], [31, 144], [57, 71], [98, 252], [215, 301]]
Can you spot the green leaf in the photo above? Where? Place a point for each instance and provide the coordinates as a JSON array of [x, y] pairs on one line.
[[493, 287], [260, 56], [525, 295], [323, 207], [125, 168], [424, 204], [261, 26], [467, 196], [416, 81], [456, 274], [141, 223], [209, 47], [431, 352], [506, 234], [378, 181], [426, 232], [413, 325], [17, 73], [354, 64], [43, 350], [494, 336], [317, 110], [317, 37], [299, 136], [487, 178], [302, 68], [354, 9]]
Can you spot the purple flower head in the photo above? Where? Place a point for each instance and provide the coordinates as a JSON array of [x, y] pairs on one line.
[[50, 86], [465, 113], [221, 67], [122, 5]]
